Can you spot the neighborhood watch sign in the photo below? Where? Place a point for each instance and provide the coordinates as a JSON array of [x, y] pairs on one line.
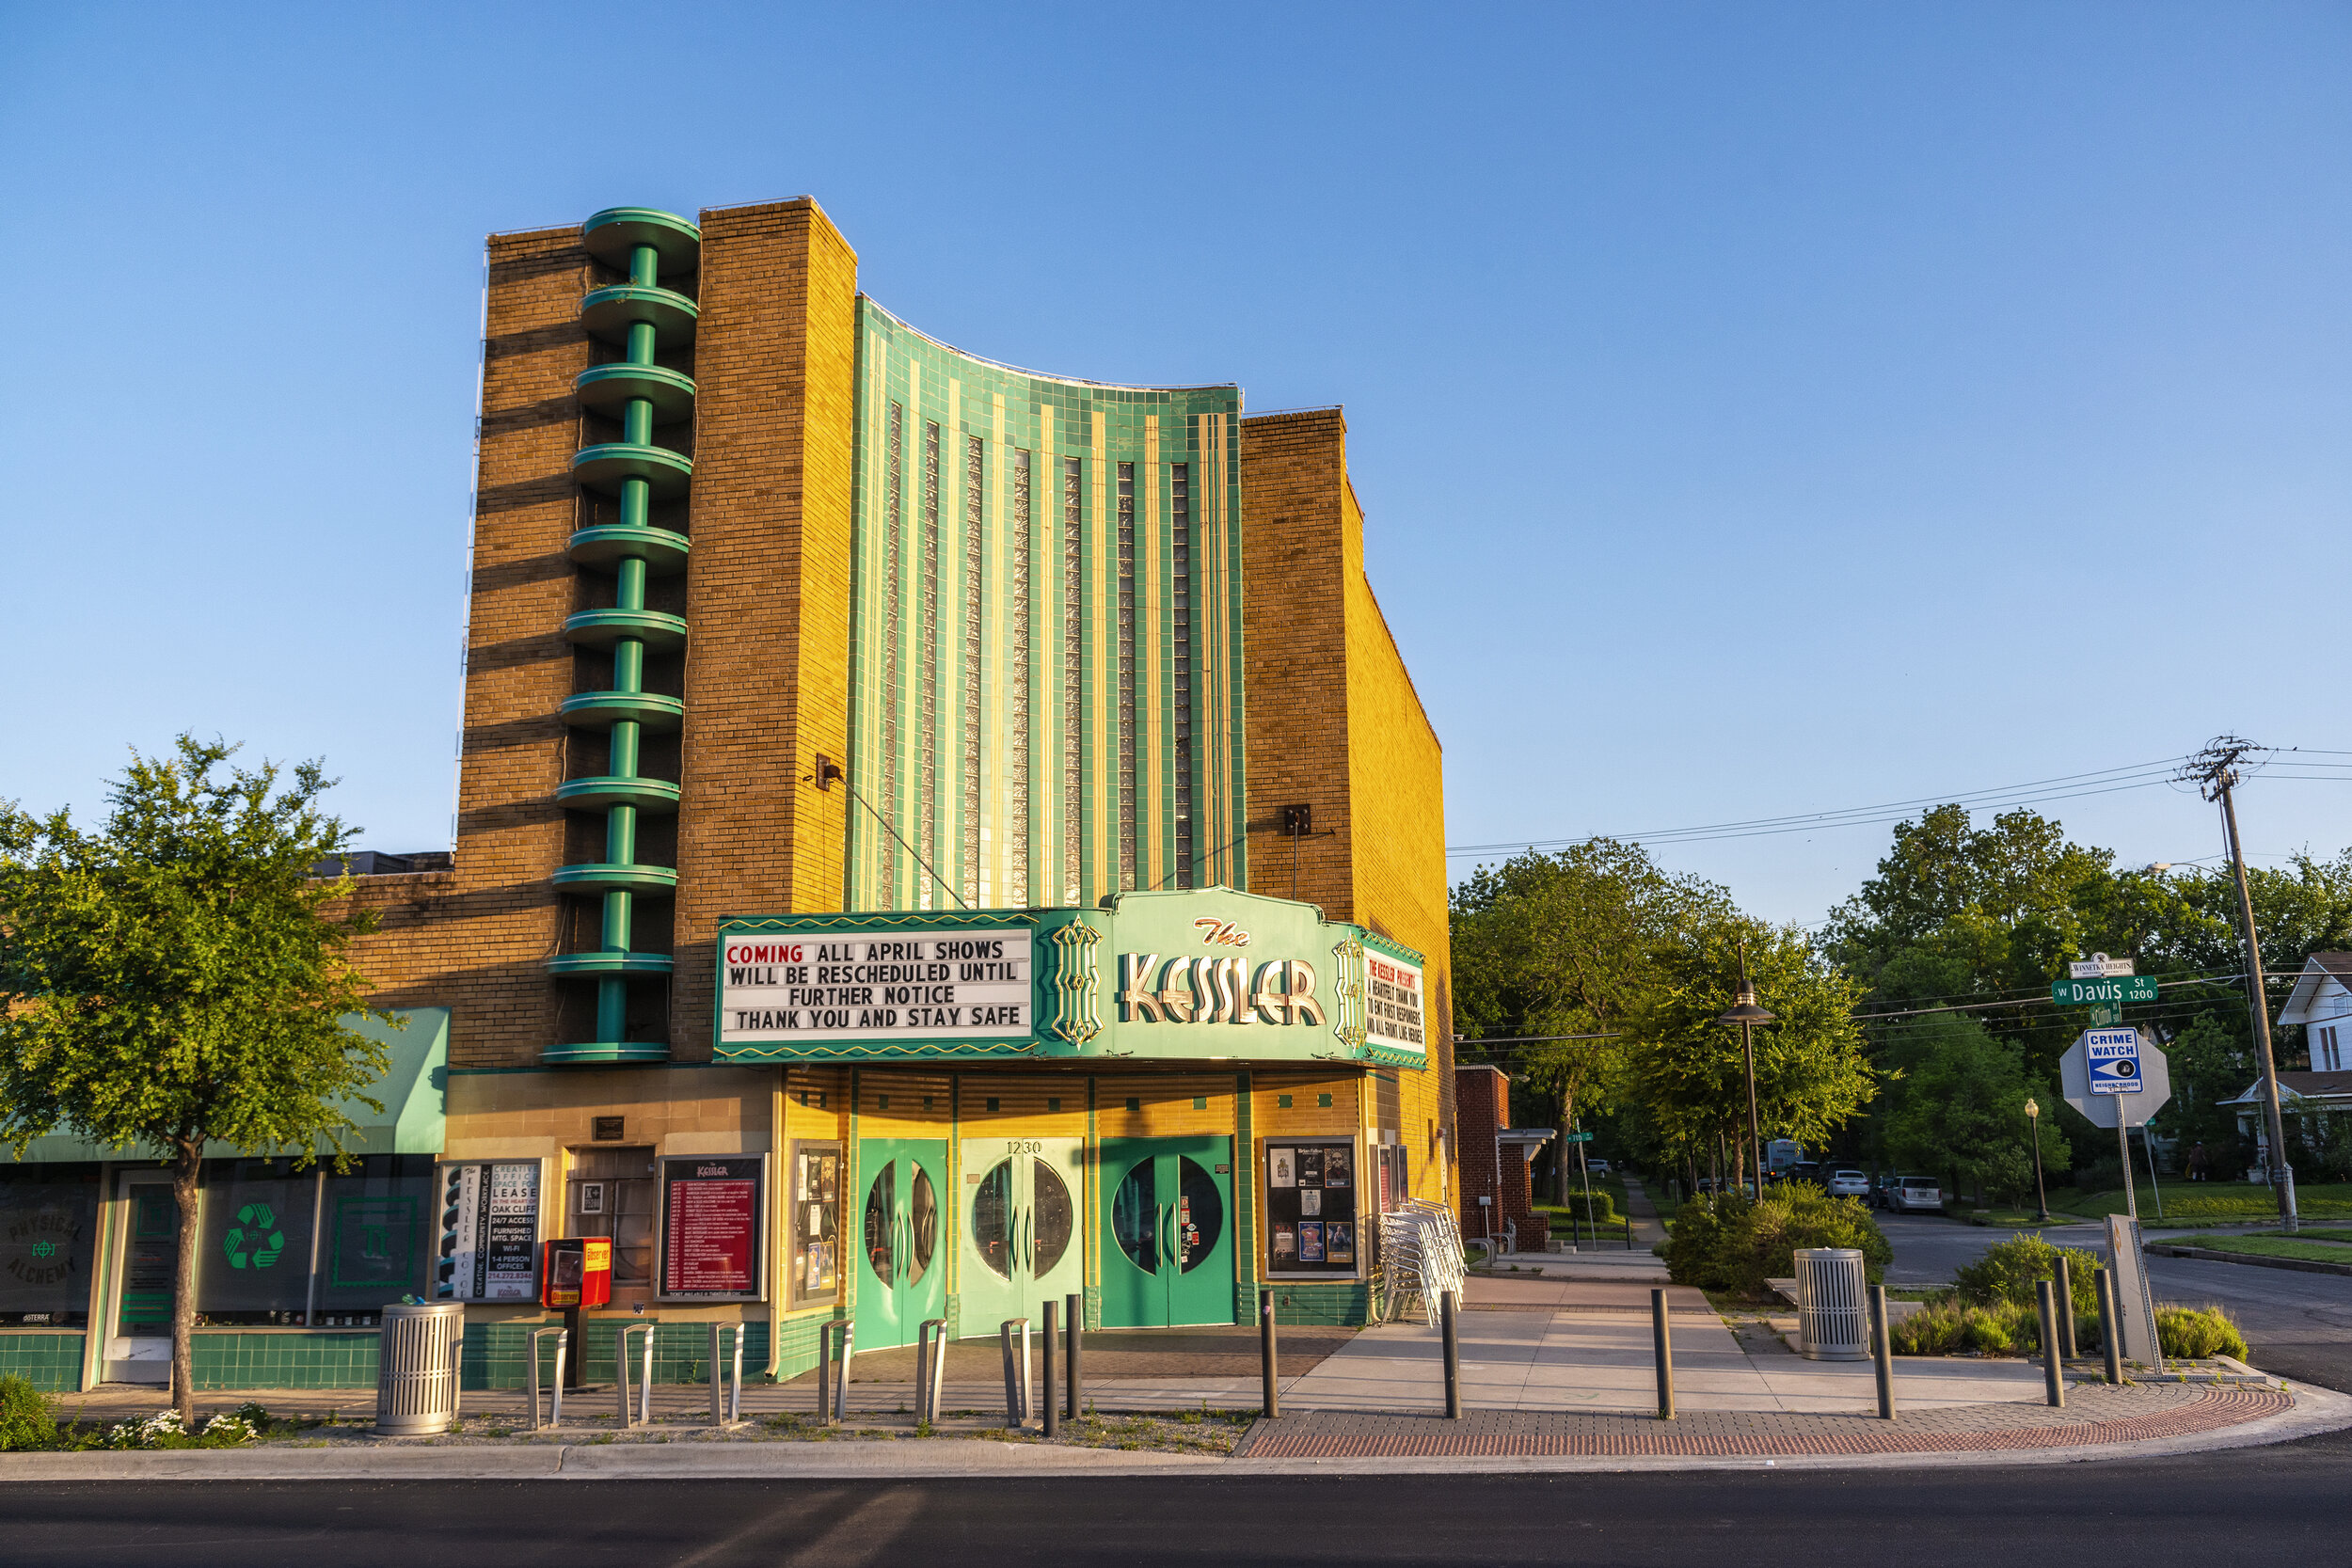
[[1151, 973]]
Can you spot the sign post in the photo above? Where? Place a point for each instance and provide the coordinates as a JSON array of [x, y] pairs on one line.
[[2114, 1079]]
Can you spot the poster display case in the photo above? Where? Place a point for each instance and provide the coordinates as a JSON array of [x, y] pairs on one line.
[[713, 1214], [814, 1220], [1311, 1209], [489, 1231]]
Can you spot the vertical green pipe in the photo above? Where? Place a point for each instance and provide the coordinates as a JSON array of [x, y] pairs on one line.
[[644, 265], [611, 1008], [637, 422], [630, 590], [636, 502], [621, 761], [629, 665]]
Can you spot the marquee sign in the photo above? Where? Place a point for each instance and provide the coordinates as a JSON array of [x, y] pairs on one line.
[[1204, 974]]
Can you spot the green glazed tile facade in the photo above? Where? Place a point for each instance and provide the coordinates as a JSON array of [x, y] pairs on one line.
[[50, 1362], [1046, 633]]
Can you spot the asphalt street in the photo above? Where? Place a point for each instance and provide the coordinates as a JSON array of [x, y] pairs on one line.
[[2192, 1511], [2298, 1325]]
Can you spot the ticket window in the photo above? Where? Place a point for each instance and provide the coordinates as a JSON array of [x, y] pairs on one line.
[[611, 1191]]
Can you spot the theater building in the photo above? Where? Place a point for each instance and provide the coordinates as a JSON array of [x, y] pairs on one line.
[[932, 837]]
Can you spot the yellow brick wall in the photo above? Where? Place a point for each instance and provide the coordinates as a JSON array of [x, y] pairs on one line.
[[1328, 686]]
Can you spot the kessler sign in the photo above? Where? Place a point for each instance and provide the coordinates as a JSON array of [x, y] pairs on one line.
[[1206, 974]]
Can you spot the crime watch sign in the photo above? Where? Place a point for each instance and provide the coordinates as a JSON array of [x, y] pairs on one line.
[[2112, 1056]]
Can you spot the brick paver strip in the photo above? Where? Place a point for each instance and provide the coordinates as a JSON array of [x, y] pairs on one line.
[[2137, 1413]]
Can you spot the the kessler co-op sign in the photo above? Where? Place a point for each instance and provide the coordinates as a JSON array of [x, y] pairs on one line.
[[1159, 974]]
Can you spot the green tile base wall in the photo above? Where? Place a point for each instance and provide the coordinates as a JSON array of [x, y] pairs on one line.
[[50, 1362], [1339, 1305], [326, 1359]]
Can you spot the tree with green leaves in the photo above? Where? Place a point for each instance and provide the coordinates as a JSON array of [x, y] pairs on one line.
[[177, 979], [1962, 1113], [1549, 945], [1687, 1070]]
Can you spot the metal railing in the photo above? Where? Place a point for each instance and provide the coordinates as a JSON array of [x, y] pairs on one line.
[[620, 1377], [1016, 1375], [727, 1394], [555, 1403]]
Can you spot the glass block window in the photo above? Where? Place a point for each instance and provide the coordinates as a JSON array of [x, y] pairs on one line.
[[1126, 537], [1073, 678], [1016, 824], [1179, 525], [893, 614], [972, 649], [927, 690]]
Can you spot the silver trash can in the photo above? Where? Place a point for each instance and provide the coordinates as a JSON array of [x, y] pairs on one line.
[[415, 1368], [1832, 1317]]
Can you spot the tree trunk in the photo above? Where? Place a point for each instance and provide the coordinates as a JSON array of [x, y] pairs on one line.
[[1559, 1166], [186, 1162]]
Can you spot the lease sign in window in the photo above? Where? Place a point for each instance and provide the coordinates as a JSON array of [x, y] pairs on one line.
[[711, 1209]]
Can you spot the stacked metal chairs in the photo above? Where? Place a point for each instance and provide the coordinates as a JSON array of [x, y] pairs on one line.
[[1420, 1258]]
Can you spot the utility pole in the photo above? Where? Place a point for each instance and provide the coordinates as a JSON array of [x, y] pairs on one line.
[[2215, 771], [1747, 1015]]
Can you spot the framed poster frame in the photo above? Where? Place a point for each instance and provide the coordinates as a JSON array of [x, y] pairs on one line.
[[1279, 1210], [439, 1226], [760, 1231], [794, 1206]]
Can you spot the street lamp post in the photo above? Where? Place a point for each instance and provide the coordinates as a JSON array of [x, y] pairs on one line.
[[1747, 1015], [2033, 1124]]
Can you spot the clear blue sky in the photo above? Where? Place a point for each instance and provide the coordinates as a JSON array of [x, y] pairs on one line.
[[1758, 409]]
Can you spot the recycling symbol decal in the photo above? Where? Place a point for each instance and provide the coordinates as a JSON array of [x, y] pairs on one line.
[[255, 1241]]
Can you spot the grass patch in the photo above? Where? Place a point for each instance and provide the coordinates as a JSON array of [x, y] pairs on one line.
[[2314, 1235], [2018, 1219], [2194, 1203], [2281, 1246]]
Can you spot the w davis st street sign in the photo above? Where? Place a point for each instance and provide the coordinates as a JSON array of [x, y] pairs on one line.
[[1206, 974]]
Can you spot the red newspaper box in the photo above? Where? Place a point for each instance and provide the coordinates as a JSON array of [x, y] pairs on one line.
[[576, 1273]]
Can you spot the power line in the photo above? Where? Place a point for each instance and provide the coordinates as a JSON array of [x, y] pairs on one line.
[[2108, 781]]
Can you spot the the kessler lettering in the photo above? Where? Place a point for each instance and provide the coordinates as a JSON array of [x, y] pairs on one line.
[[1217, 991]]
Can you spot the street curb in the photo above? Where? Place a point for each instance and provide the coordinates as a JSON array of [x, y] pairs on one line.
[[2315, 1411], [2297, 1265]]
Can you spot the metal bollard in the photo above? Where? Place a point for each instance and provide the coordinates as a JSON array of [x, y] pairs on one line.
[[555, 1404], [2053, 1371], [2104, 1278], [2066, 1311], [1050, 1407], [1269, 1357], [1077, 1306], [1452, 1355], [1016, 1375], [620, 1373], [1662, 1346], [844, 1333], [930, 1364], [1884, 1344], [727, 1394]]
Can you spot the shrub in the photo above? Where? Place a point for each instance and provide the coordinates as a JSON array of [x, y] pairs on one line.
[[1603, 1211], [25, 1421], [2010, 1270], [1734, 1244], [2193, 1335], [1952, 1327]]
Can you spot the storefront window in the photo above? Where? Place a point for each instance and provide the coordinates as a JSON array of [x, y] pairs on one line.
[[48, 1232], [253, 1250], [373, 1250], [613, 1193]]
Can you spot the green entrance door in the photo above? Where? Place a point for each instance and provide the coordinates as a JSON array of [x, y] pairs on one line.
[[1021, 1247], [902, 1278], [1168, 1256]]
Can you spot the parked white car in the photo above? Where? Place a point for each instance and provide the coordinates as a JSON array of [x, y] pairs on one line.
[[1849, 1183], [1915, 1195], [1599, 1167]]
